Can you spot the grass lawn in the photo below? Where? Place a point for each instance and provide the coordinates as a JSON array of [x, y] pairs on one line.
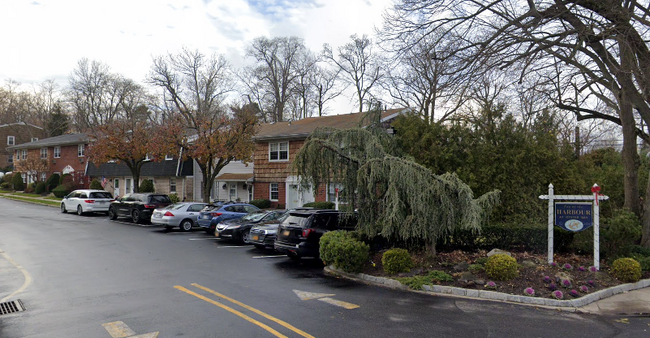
[[32, 200]]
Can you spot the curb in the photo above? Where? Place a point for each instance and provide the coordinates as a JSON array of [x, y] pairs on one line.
[[450, 291], [31, 200]]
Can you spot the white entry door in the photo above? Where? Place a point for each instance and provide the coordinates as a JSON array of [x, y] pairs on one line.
[[296, 196], [116, 187]]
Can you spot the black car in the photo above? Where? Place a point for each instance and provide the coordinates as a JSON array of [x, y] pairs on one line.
[[239, 229], [299, 234], [138, 207]]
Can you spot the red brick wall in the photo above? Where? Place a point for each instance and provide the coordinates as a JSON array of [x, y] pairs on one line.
[[69, 156]]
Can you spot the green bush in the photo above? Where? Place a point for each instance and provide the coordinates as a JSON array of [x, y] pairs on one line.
[[41, 188], [476, 268], [53, 181], [17, 182], [261, 203], [30, 188], [174, 198], [7, 178], [66, 179], [618, 234], [396, 260], [94, 184], [626, 269], [416, 282], [61, 191], [147, 186], [342, 250], [502, 267], [319, 205], [5, 186]]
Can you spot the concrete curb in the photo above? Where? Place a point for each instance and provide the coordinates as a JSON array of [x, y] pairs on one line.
[[451, 291]]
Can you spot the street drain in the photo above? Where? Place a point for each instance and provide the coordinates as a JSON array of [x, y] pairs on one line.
[[11, 307]]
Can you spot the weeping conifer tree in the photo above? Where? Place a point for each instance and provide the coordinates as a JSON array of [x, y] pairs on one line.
[[396, 198]]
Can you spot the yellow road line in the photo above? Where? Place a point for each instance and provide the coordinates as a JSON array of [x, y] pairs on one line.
[[269, 317], [118, 329], [26, 283], [340, 303], [233, 311]]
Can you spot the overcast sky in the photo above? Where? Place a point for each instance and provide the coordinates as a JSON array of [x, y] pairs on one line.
[[44, 39]]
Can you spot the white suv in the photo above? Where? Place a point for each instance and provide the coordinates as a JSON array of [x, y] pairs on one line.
[[87, 200]]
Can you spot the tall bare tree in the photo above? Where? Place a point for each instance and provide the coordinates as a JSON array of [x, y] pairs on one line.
[[361, 66]]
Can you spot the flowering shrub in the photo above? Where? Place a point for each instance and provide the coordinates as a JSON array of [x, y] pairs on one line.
[[591, 282], [593, 269], [547, 279], [567, 267], [557, 294], [574, 293], [584, 289], [491, 285], [566, 283], [552, 286], [529, 292], [581, 268]]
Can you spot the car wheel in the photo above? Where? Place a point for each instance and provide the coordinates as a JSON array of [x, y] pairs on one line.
[[63, 209], [244, 236], [186, 225], [80, 210], [135, 215], [111, 214], [209, 232], [294, 256], [259, 246]]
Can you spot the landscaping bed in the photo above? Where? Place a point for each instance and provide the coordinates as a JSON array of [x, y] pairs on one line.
[[465, 270]]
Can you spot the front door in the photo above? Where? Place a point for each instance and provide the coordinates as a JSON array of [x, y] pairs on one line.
[[293, 196], [128, 188], [116, 187]]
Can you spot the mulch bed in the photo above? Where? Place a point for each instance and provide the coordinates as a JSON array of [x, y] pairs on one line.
[[532, 271]]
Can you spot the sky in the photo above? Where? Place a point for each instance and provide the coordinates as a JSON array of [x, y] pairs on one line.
[[44, 39]]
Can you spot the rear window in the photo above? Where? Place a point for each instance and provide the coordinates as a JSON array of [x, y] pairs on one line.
[[175, 206], [101, 194], [296, 220], [162, 199], [254, 217]]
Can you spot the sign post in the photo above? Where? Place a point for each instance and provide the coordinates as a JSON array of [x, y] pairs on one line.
[[574, 216]]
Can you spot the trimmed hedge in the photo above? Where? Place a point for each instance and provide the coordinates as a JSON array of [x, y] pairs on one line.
[[94, 184], [53, 181], [61, 191], [17, 182], [319, 205], [502, 267], [341, 249], [41, 188], [627, 270], [261, 203], [396, 260]]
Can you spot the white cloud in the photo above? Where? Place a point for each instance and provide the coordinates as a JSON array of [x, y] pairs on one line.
[[44, 39]]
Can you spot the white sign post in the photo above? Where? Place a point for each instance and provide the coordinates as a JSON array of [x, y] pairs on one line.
[[595, 198]]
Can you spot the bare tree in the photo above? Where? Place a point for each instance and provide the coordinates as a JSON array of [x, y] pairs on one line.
[[361, 65], [325, 83]]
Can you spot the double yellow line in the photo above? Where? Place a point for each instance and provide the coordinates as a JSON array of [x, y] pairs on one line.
[[242, 315]]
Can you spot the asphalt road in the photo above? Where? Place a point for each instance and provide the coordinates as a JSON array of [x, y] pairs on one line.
[[93, 277]]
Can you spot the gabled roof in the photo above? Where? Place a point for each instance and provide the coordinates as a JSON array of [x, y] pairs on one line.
[[300, 129], [61, 140], [166, 168], [20, 124]]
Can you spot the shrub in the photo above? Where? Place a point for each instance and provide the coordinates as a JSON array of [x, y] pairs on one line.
[[475, 268], [94, 184], [396, 260], [61, 191], [617, 236], [416, 282], [439, 276], [41, 188], [501, 267], [5, 186], [319, 205], [147, 186], [30, 188], [66, 179], [626, 270], [53, 181], [342, 250], [174, 197], [17, 182], [261, 203]]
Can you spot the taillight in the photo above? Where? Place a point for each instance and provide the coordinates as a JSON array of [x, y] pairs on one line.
[[215, 214], [307, 232], [89, 201], [150, 206], [169, 214], [111, 201]]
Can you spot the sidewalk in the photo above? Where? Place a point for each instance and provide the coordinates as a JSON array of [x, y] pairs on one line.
[[631, 303]]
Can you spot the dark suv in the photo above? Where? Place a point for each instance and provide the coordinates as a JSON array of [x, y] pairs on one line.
[[138, 207], [299, 234]]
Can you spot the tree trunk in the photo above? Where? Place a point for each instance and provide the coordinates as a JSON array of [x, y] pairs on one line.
[[207, 186], [431, 249]]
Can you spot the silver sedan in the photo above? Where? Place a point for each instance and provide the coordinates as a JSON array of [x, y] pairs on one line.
[[182, 215]]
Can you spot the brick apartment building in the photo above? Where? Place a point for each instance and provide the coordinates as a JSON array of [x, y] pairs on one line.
[[16, 133]]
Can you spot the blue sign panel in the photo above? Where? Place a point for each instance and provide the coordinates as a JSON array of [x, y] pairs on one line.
[[574, 216]]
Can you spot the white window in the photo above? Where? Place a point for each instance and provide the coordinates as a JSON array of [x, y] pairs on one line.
[[172, 185], [57, 152], [233, 191], [169, 157], [44, 153], [43, 176], [279, 151], [80, 150], [24, 176], [24, 154], [11, 140], [274, 192], [34, 139]]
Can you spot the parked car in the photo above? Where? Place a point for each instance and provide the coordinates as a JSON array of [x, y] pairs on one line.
[[239, 228], [213, 214], [299, 234], [263, 235], [87, 200], [182, 215], [138, 207]]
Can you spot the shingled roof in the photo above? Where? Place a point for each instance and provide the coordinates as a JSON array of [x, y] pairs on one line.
[[302, 128], [61, 140]]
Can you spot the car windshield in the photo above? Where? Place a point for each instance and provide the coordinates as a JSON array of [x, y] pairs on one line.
[[296, 220], [254, 216], [101, 194]]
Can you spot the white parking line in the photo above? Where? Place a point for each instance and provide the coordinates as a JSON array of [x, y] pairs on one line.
[[271, 256], [200, 238]]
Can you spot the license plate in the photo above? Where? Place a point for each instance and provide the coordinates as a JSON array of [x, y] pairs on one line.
[[285, 233], [216, 234], [255, 237], [157, 215]]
